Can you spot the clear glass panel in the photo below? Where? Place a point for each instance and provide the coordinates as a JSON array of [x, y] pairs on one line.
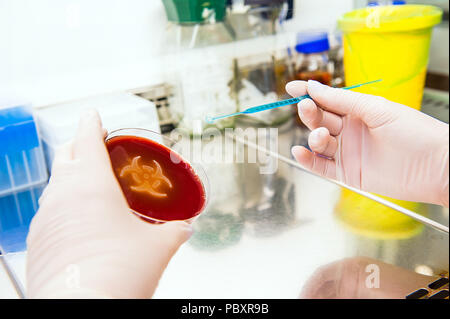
[[283, 235]]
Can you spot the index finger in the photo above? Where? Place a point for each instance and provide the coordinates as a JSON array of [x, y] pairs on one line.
[[296, 88]]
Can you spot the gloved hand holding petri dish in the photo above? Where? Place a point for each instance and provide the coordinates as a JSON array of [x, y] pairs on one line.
[[83, 241]]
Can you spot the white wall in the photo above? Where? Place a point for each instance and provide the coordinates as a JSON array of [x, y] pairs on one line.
[[314, 14], [58, 49]]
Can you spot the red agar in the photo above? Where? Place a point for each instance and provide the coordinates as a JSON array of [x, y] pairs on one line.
[[153, 184]]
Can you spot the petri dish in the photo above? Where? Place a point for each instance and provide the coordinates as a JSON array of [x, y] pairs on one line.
[[159, 184]]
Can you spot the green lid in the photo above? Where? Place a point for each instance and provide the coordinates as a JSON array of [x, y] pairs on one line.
[[390, 18], [194, 11]]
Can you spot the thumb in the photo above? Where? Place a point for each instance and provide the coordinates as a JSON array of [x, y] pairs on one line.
[[89, 142], [369, 108]]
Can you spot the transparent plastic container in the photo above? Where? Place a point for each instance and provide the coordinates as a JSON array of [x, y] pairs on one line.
[[58, 124], [16, 211], [22, 163]]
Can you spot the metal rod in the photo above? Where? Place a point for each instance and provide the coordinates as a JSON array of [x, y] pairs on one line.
[[407, 212]]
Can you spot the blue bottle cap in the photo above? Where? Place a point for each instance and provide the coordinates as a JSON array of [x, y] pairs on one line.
[[395, 3], [312, 42], [17, 130]]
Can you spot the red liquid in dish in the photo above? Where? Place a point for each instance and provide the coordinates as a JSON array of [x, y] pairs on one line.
[[153, 184]]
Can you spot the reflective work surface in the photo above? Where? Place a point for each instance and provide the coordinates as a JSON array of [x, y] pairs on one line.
[[291, 234]]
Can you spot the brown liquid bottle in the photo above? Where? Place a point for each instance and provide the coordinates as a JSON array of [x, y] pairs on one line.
[[312, 60]]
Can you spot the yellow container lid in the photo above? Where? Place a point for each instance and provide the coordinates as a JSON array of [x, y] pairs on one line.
[[391, 18]]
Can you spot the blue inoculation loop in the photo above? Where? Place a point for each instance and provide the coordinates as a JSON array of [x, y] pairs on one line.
[[209, 119], [274, 105]]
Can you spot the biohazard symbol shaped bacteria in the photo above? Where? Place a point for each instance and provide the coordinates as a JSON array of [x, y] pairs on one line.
[[147, 178]]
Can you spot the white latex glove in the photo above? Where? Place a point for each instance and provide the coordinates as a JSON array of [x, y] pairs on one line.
[[84, 242], [373, 144], [362, 278]]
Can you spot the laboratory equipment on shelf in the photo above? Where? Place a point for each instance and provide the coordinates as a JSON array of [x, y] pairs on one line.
[[253, 18], [196, 23], [199, 62], [23, 174], [274, 105], [263, 62], [260, 78]]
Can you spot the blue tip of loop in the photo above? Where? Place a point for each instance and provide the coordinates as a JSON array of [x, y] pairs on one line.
[[209, 119]]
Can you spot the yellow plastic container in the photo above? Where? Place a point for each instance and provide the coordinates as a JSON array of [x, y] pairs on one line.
[[390, 43], [367, 218]]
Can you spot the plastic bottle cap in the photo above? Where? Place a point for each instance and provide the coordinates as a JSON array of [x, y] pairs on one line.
[[395, 3], [313, 42], [17, 130]]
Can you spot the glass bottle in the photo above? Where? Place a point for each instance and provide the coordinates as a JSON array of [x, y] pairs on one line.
[[336, 56], [312, 61], [199, 63]]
